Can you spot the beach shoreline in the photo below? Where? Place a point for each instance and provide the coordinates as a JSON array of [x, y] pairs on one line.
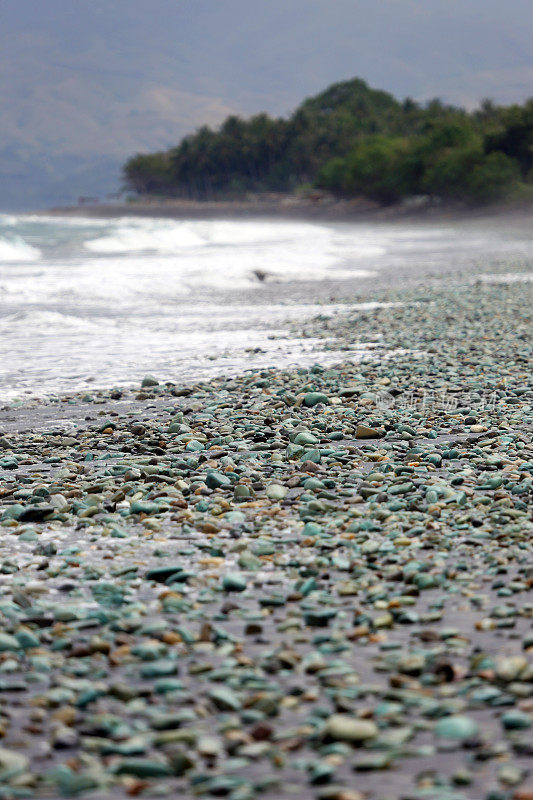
[[279, 578], [288, 207], [110, 299]]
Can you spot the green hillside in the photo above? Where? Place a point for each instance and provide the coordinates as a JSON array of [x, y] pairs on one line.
[[353, 141]]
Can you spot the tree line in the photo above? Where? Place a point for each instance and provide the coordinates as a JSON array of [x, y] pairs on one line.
[[353, 141]]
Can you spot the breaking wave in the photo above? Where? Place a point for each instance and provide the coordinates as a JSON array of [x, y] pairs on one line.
[[171, 237], [15, 249]]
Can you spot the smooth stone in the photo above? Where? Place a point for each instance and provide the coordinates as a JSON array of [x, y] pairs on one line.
[[320, 773], [319, 618], [304, 437], [27, 640], [510, 775], [276, 492], [28, 536], [456, 727], [36, 513], [312, 529], [142, 768], [509, 668], [194, 446], [241, 492], [72, 784], [160, 574], [148, 381], [159, 669], [314, 456], [248, 560], [516, 720], [345, 728], [12, 763], [363, 432], [9, 643], [263, 548], [312, 399], [216, 480], [225, 699], [234, 582], [235, 517], [64, 738], [144, 507]]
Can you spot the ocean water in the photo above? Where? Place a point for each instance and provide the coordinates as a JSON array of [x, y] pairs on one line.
[[88, 303]]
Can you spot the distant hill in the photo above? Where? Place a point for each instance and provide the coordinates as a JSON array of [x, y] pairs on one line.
[[353, 141], [83, 85]]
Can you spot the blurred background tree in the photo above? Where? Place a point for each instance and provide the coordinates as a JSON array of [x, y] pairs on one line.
[[353, 141]]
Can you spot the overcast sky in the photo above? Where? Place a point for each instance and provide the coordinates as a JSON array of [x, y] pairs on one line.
[[85, 83]]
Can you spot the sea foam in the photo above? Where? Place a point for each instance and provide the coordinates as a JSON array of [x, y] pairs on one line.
[[15, 249]]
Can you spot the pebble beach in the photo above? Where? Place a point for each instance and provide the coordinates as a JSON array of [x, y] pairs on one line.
[[311, 582]]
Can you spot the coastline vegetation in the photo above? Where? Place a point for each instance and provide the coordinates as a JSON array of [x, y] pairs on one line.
[[353, 141]]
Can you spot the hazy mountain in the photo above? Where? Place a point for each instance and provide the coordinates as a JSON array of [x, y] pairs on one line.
[[84, 85]]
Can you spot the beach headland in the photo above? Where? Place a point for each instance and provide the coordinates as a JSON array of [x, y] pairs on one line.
[[284, 583]]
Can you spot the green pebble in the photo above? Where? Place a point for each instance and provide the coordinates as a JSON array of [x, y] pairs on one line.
[[144, 507], [216, 480], [142, 768], [27, 640], [225, 699], [161, 574], [312, 529], [159, 669], [312, 399], [149, 381], [304, 437], [8, 643], [194, 446], [456, 727], [319, 618], [234, 582], [516, 720]]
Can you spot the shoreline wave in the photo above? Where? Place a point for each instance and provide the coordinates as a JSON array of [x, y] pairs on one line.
[[15, 250]]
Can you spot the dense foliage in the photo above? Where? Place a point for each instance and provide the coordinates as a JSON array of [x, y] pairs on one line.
[[353, 141]]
